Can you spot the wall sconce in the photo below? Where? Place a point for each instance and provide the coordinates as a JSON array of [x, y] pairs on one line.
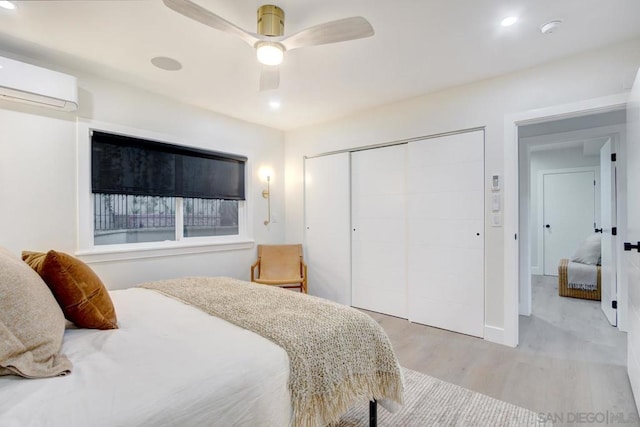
[[267, 195]]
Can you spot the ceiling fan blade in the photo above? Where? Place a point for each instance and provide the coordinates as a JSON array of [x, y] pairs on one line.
[[269, 77], [202, 15], [330, 32]]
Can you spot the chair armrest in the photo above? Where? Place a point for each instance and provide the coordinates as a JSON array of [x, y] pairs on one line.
[[253, 267]]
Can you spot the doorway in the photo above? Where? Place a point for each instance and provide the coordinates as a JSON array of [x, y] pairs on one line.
[[561, 205]]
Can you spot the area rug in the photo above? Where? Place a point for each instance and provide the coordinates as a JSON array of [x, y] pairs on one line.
[[432, 402]]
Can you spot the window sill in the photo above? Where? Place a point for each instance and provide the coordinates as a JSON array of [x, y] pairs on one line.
[[112, 253]]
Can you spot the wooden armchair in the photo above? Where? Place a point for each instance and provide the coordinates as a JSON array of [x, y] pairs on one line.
[[280, 265]]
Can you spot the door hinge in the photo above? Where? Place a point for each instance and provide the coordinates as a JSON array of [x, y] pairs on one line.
[[515, 236], [614, 231], [613, 157], [594, 182], [614, 305]]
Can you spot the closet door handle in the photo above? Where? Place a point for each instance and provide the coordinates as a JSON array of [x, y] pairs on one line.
[[547, 226], [598, 230]]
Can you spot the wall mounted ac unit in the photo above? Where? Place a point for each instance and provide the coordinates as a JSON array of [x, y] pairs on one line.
[[37, 86]]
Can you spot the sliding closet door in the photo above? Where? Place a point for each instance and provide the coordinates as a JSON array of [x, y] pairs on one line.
[[446, 232], [327, 227], [379, 265]]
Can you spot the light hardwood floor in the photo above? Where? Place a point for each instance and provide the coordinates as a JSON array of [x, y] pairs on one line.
[[569, 361]]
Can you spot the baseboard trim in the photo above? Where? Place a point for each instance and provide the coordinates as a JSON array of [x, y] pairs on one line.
[[494, 334]]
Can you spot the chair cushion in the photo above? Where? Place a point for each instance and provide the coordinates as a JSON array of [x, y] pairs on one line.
[[79, 291], [31, 323]]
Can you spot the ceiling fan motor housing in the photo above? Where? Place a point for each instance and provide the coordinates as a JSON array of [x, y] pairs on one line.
[[270, 20], [270, 42]]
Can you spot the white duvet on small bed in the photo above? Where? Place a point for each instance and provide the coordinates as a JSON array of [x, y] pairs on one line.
[[169, 364]]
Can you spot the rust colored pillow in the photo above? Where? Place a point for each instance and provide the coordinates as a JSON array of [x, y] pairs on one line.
[[79, 291]]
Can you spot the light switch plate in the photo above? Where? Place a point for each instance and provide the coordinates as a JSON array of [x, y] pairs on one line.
[[495, 203]]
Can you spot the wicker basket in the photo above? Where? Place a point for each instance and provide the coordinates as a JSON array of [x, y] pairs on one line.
[[565, 291]]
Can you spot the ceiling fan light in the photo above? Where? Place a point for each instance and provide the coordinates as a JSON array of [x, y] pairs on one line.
[[270, 53], [6, 4]]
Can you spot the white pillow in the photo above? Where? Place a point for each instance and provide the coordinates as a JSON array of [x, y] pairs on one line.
[[31, 323], [589, 250]]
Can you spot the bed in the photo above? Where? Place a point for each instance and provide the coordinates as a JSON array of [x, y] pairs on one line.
[[170, 363], [579, 280]]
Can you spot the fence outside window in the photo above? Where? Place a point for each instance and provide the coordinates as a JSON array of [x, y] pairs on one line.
[[121, 218]]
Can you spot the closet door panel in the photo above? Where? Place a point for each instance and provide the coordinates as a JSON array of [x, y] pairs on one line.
[[455, 279], [452, 147], [464, 177], [445, 221], [445, 206], [441, 238], [327, 211], [379, 264]]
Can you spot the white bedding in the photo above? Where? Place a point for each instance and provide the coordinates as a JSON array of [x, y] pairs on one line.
[[169, 364]]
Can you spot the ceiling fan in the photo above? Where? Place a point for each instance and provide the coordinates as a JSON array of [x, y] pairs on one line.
[[269, 41]]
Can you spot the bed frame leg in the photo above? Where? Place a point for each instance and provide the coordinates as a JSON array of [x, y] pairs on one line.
[[373, 413]]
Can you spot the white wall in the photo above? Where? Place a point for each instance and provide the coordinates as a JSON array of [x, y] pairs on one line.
[[38, 170], [552, 160], [589, 75]]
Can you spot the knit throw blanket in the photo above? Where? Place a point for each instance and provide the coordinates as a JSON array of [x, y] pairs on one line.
[[338, 356], [582, 276]]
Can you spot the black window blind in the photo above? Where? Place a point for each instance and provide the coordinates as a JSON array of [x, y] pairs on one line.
[[126, 165]]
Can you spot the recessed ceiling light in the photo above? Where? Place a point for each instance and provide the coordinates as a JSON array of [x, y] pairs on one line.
[[7, 5], [509, 21], [275, 104], [165, 63]]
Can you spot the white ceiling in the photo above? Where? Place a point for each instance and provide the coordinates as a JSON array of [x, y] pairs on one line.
[[420, 46]]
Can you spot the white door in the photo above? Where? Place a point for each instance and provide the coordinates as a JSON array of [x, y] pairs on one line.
[[445, 218], [632, 257], [379, 266], [327, 238], [607, 216], [568, 215]]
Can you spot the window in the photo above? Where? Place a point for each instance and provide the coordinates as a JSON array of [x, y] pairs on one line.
[[146, 191], [205, 217]]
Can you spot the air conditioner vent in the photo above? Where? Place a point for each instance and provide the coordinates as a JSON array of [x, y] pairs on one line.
[[26, 83]]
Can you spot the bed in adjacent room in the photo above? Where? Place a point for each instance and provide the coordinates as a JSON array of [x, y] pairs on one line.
[[171, 362]]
